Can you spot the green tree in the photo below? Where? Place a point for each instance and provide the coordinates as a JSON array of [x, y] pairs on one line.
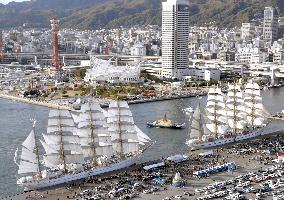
[[80, 73]]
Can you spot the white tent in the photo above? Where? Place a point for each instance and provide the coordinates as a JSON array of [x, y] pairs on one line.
[[207, 153], [148, 167], [177, 158]]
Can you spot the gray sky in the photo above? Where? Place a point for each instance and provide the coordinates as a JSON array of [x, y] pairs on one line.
[[7, 1]]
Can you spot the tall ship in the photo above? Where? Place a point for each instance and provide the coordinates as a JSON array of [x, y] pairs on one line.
[[239, 115], [99, 142]]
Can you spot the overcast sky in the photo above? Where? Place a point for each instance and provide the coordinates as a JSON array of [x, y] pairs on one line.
[[7, 1]]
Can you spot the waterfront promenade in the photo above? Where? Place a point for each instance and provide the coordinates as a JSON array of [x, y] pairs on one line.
[[53, 104], [34, 102]]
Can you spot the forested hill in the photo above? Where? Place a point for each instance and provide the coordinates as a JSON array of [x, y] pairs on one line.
[[92, 14]]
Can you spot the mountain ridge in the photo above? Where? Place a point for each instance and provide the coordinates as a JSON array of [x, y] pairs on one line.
[[94, 14]]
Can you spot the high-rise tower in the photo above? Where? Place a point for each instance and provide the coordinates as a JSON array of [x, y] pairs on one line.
[[270, 24], [175, 33], [55, 52]]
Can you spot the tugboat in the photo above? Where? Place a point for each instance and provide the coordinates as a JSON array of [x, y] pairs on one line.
[[165, 123]]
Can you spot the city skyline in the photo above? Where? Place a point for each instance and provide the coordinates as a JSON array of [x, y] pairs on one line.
[[201, 78]]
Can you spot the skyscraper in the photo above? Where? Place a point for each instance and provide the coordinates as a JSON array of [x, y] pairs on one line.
[[270, 24], [175, 33]]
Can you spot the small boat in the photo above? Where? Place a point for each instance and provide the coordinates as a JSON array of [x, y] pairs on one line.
[[188, 110], [279, 114], [165, 123]]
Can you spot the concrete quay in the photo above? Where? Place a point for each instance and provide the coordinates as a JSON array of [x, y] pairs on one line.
[[202, 93], [34, 102], [104, 103]]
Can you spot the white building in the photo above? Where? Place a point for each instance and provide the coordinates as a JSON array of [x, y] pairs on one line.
[[138, 50], [270, 24], [175, 32], [28, 48], [251, 55], [278, 58], [248, 31], [153, 68], [204, 74], [102, 70]]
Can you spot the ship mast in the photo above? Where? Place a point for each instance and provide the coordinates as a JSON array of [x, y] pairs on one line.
[[93, 146], [62, 143], [215, 114], [119, 131], [235, 109], [255, 109], [200, 122], [37, 152], [252, 110]]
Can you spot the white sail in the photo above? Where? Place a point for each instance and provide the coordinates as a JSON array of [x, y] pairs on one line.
[[27, 167], [87, 132], [103, 149], [48, 149], [60, 129], [60, 143], [61, 113], [56, 139], [196, 126], [92, 130], [216, 117], [256, 113], [126, 146], [52, 162], [28, 157], [125, 135], [142, 137], [29, 143], [75, 118], [61, 122], [55, 160], [236, 110]]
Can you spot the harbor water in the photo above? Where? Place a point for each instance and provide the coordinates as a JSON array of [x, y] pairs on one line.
[[15, 125]]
